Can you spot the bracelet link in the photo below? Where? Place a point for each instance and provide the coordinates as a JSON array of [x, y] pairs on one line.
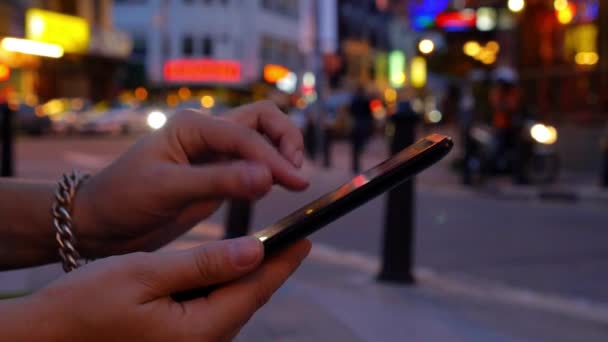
[[62, 218]]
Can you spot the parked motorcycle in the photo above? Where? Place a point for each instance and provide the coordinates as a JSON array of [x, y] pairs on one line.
[[531, 159]]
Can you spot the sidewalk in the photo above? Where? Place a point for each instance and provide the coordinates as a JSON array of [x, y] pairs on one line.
[[327, 302], [334, 297]]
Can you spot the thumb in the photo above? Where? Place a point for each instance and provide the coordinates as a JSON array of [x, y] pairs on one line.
[[209, 264]]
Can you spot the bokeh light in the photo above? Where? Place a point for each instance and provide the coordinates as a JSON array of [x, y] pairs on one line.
[[566, 15], [184, 93], [141, 93], [471, 48], [426, 46], [207, 101], [516, 5]]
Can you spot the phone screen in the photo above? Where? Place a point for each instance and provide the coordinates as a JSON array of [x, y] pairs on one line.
[[358, 182]]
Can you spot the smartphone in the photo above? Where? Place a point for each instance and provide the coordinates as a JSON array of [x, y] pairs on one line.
[[361, 189]]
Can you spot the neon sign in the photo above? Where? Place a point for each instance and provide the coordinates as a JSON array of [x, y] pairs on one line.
[[423, 12], [457, 20], [202, 70], [70, 32]]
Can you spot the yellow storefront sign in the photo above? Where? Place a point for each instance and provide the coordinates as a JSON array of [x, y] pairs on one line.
[[70, 32]]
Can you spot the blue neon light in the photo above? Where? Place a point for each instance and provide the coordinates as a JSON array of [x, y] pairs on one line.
[[422, 13]]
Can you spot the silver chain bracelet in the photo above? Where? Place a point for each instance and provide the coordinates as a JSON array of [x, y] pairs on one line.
[[62, 218]]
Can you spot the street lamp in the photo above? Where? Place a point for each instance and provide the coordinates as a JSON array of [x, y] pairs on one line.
[[426, 46], [516, 5]]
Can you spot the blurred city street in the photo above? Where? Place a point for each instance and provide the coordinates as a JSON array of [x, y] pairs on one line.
[[509, 231], [489, 263]]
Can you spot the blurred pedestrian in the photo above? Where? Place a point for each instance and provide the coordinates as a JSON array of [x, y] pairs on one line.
[[157, 191], [363, 123], [502, 98], [466, 109], [310, 133], [450, 103]]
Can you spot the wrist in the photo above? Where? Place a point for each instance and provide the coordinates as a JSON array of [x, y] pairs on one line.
[[28, 319], [89, 242]]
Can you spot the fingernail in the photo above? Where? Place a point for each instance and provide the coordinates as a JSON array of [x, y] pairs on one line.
[[298, 158], [245, 251]]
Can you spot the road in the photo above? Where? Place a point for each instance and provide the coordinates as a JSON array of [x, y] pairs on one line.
[[555, 248]]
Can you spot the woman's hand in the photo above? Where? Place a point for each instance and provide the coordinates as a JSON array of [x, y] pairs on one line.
[[127, 298], [178, 176]]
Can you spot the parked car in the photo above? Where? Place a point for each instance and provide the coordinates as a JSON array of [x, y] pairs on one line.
[[66, 114], [28, 120], [32, 121], [122, 119]]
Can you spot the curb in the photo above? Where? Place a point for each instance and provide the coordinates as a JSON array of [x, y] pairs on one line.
[[466, 286], [557, 194], [565, 194]]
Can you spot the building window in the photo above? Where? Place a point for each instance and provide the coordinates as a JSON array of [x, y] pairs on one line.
[[187, 46], [207, 47], [283, 7]]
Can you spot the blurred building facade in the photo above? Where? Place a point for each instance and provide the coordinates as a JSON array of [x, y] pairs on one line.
[[213, 43], [562, 66], [556, 49], [94, 51], [364, 41], [17, 71]]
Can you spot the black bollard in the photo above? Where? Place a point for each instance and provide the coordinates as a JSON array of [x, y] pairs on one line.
[[327, 141], [238, 220], [605, 161], [398, 244], [7, 169], [310, 140], [467, 178]]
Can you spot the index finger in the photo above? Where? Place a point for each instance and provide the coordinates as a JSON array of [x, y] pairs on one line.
[[268, 119], [197, 134]]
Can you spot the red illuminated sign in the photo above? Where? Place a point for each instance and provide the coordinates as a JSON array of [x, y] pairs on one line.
[[202, 70], [457, 20], [5, 72]]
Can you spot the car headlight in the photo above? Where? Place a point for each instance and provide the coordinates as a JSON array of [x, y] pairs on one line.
[[544, 134], [156, 119]]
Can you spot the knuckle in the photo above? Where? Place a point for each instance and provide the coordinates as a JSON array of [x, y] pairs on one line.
[[266, 104], [207, 264], [268, 107], [249, 135], [228, 180], [186, 117]]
